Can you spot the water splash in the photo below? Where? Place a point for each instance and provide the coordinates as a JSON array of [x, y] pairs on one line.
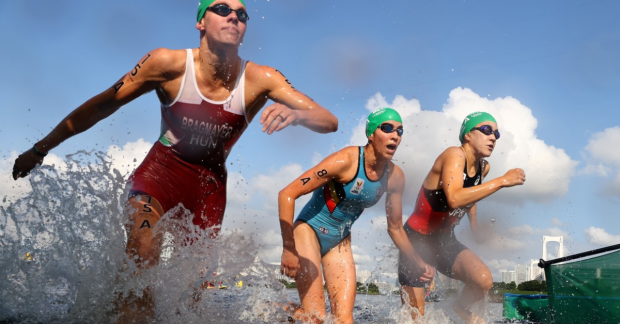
[[62, 252], [51, 243]]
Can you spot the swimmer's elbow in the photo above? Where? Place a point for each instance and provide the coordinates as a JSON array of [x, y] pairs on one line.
[[333, 125], [285, 196], [327, 125], [454, 202], [395, 231]]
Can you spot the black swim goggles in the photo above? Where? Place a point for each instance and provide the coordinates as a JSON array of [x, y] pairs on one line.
[[222, 9], [487, 130], [388, 128]]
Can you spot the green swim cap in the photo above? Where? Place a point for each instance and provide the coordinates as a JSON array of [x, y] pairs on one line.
[[472, 120], [379, 117], [204, 4]]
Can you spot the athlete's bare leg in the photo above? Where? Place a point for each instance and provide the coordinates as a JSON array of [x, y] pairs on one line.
[[144, 248], [470, 269], [339, 269], [310, 277], [414, 296]]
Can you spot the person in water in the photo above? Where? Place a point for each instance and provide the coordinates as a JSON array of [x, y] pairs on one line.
[[343, 184], [452, 188], [208, 97]]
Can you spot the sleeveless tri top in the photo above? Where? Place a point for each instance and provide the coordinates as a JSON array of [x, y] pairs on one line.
[[336, 206], [200, 130], [432, 212]]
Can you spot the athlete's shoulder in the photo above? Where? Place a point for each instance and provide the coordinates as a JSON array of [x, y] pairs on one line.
[[166, 61], [451, 153], [454, 150], [256, 73], [350, 152], [395, 170], [255, 69], [396, 178], [345, 157]]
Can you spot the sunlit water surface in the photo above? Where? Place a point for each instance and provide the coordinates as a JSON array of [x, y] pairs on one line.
[[63, 260]]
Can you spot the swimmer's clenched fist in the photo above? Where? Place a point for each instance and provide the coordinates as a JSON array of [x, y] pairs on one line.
[[25, 162], [513, 177]]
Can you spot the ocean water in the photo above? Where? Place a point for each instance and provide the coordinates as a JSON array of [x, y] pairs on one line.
[[63, 260]]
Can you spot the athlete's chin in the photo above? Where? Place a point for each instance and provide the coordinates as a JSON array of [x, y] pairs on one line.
[[489, 150], [389, 154], [230, 40]]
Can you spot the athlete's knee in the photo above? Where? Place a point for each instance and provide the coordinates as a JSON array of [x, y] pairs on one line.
[[484, 280], [487, 284]]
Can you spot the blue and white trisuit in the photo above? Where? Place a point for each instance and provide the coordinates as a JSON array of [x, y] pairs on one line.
[[334, 208]]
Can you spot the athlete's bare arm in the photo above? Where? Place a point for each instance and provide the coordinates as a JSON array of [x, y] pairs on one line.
[[340, 166], [394, 212], [151, 72], [452, 162], [264, 82]]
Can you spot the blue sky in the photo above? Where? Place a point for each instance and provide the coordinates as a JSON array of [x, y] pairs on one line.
[[548, 69]]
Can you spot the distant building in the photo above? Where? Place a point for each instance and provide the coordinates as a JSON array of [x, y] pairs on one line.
[[522, 273], [509, 276], [362, 276], [535, 272], [386, 282]]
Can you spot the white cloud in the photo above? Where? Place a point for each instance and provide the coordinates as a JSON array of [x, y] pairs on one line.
[[521, 230], [271, 246], [428, 133], [127, 159], [270, 238], [554, 231], [603, 160], [601, 144], [557, 222], [269, 185], [360, 256], [500, 243], [498, 265], [237, 190], [599, 236], [596, 169], [378, 223], [271, 254]]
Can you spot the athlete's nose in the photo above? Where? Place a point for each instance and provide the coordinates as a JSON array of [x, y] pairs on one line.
[[232, 17]]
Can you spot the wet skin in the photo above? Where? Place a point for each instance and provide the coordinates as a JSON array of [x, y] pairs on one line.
[[217, 66], [447, 173], [301, 257]]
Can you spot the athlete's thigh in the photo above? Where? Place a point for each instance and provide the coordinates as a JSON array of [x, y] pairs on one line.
[[209, 213], [309, 277], [470, 269], [144, 212], [339, 269]]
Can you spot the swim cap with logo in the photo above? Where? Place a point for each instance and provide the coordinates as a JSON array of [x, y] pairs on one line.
[[472, 120], [204, 4], [379, 117]]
